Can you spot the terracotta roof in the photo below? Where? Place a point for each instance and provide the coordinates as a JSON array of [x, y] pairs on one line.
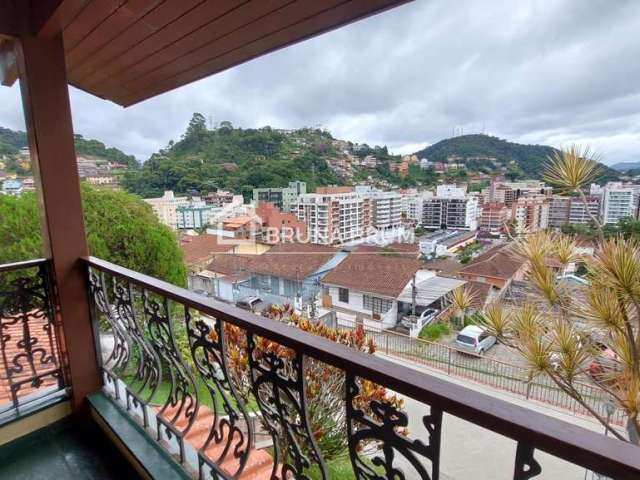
[[227, 264], [481, 293], [374, 272], [497, 262], [294, 261], [200, 248]]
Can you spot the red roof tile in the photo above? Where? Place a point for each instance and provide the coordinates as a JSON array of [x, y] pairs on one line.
[[374, 272]]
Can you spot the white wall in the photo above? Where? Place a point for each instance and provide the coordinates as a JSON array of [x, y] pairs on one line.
[[388, 319]]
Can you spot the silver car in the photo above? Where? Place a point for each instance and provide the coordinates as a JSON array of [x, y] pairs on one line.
[[474, 339]]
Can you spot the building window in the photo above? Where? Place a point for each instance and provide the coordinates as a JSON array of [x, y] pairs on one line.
[[343, 295], [375, 304]]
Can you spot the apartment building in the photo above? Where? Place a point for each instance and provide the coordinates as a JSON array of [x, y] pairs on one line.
[[195, 214], [285, 198], [165, 207], [559, 208], [565, 210], [530, 214], [493, 217], [452, 213], [333, 218], [411, 204], [619, 201], [582, 213], [386, 210]]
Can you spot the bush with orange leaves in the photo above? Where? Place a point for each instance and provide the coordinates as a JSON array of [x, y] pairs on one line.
[[325, 385]]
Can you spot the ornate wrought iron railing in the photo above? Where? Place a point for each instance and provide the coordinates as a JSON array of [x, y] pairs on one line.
[[31, 370], [173, 358]]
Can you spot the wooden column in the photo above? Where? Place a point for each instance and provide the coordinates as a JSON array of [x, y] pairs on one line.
[[45, 97]]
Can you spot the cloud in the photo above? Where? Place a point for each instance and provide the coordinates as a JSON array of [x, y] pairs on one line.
[[536, 71]]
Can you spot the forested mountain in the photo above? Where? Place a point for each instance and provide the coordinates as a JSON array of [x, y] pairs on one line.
[[236, 159], [520, 160], [12, 141], [626, 166]]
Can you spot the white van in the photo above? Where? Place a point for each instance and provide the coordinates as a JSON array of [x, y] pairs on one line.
[[474, 339]]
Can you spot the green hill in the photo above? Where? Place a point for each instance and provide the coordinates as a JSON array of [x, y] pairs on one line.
[[236, 159], [12, 141], [519, 160]]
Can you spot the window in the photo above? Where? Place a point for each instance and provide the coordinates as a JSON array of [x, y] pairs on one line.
[[343, 295], [375, 304]]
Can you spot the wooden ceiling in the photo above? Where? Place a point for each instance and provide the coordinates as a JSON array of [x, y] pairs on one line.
[[128, 51]]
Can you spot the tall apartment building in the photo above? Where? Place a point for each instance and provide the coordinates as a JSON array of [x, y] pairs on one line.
[[509, 192], [453, 213], [285, 198], [333, 218], [386, 210], [411, 206], [582, 213], [493, 217], [565, 210], [619, 201], [165, 207], [530, 214], [559, 208]]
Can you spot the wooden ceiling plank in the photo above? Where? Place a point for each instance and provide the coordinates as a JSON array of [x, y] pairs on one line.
[[154, 21], [88, 20], [181, 26], [181, 60], [346, 13], [203, 39], [50, 17], [111, 28]]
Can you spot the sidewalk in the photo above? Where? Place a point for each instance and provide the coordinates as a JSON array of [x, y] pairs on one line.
[[474, 453]]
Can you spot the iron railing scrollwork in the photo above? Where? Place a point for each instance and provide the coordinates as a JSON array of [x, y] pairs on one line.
[[31, 361], [176, 355], [208, 349], [386, 430], [279, 388]]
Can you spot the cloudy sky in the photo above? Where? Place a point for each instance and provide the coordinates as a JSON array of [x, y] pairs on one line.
[[552, 72]]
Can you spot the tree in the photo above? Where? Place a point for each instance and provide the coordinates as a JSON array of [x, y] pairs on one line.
[[571, 337], [120, 227]]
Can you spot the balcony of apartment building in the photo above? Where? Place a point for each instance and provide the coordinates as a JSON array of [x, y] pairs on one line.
[[109, 373]]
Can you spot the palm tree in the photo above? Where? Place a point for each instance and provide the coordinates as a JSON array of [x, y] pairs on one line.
[[461, 300]]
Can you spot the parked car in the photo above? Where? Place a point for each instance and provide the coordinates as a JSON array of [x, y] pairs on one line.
[[253, 304], [474, 339], [425, 318]]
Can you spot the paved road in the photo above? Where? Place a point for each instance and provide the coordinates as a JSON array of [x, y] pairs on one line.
[[470, 452]]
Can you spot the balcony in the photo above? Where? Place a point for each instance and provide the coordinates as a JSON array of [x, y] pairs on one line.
[[108, 373], [169, 366]]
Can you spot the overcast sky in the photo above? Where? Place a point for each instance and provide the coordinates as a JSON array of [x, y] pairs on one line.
[[551, 72]]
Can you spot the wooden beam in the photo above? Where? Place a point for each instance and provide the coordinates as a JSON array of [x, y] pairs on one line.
[[8, 64], [50, 17], [45, 98]]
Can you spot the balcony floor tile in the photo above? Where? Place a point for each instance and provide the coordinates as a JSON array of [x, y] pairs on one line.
[[64, 451]]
